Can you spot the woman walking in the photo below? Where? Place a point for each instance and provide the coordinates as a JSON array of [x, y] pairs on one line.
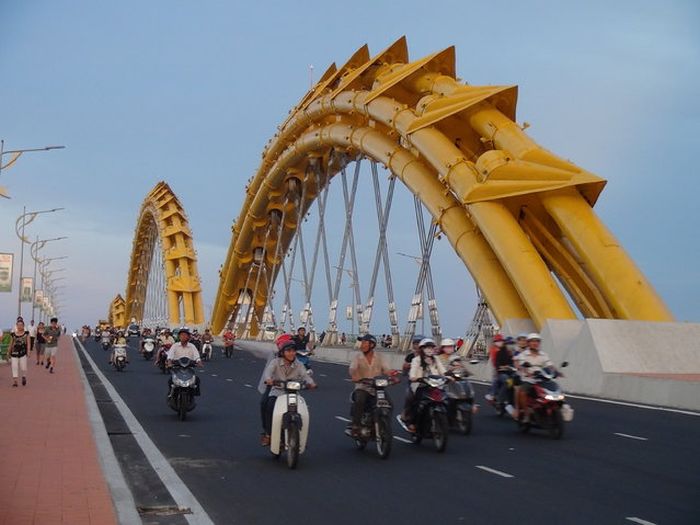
[[40, 343], [19, 346]]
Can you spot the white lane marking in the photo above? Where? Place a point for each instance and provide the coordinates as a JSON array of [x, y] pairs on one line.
[[229, 379], [323, 375], [494, 471], [248, 386], [177, 488], [183, 435], [404, 440], [639, 520], [348, 380], [615, 402], [341, 418], [630, 436], [215, 375]]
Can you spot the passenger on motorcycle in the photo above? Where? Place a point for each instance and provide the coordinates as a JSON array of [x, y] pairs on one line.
[[422, 365], [498, 342], [537, 360], [415, 350], [521, 342], [447, 354], [284, 367], [365, 364], [301, 339], [183, 349]]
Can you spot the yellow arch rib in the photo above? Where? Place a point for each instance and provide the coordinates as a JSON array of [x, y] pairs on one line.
[[458, 148], [162, 216]]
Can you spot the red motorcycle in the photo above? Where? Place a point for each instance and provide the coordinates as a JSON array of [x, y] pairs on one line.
[[546, 404]]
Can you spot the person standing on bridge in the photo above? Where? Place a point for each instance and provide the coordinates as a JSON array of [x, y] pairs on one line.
[[32, 334], [40, 343], [52, 334]]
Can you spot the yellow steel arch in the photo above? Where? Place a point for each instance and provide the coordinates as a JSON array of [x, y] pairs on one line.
[[117, 312], [515, 213], [162, 216]]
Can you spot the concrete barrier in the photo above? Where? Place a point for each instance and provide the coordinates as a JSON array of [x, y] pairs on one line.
[[636, 361]]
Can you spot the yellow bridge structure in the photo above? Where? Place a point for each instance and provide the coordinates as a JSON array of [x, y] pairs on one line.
[[519, 217]]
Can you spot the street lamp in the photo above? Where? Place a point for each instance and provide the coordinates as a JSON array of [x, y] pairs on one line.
[[16, 153], [20, 233], [34, 252], [356, 299]]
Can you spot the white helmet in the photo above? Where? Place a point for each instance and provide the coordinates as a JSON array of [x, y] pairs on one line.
[[426, 342], [534, 335], [447, 342]]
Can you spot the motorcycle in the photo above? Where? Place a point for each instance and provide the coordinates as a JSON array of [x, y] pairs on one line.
[[106, 342], [119, 359], [460, 401], [375, 424], [163, 357], [98, 334], [228, 350], [504, 396], [431, 416], [184, 387], [304, 359], [149, 346], [290, 423], [206, 352], [546, 406]]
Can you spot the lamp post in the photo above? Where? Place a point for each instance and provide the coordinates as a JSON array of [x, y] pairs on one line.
[[356, 298], [419, 261], [16, 154], [20, 224], [34, 252]]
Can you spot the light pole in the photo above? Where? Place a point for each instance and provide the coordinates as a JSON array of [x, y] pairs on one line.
[[34, 251], [16, 154], [419, 261], [20, 225], [356, 298]]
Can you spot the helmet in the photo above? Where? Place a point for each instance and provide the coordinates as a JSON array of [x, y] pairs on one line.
[[498, 337], [509, 340], [426, 342], [183, 330], [447, 342], [195, 331], [417, 338], [522, 335], [368, 337], [283, 342], [534, 336]]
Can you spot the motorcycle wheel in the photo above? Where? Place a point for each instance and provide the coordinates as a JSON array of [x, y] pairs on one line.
[[359, 444], [292, 446], [556, 425], [384, 437], [440, 430], [181, 407], [464, 422]]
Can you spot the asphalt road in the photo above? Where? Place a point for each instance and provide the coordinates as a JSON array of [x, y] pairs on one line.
[[615, 464]]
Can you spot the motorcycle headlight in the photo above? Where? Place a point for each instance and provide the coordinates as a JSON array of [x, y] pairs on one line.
[[554, 397], [381, 382], [293, 385]]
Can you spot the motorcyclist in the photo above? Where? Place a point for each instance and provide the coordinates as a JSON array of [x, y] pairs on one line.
[[422, 365], [183, 349], [301, 339], [365, 364], [503, 362], [536, 360], [415, 350], [498, 342], [284, 367], [229, 338], [207, 337], [521, 342], [165, 342], [447, 354], [119, 340]]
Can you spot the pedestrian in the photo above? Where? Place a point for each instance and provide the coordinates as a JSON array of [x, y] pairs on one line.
[[52, 334], [40, 343], [19, 347], [32, 334], [343, 338]]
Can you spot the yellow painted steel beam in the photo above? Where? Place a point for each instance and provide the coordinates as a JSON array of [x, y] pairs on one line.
[[467, 144], [162, 216]]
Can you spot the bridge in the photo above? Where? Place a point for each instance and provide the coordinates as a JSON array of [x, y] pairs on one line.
[[384, 165]]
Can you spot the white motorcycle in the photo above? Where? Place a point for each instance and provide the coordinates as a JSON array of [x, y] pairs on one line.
[[290, 423], [206, 352], [119, 359], [149, 346]]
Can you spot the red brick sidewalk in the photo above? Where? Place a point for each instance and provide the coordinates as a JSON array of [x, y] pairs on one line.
[[49, 468]]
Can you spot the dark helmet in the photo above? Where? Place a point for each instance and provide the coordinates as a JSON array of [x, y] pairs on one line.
[[184, 330], [368, 337], [417, 338]]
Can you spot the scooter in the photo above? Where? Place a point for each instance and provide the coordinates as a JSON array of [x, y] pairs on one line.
[[547, 407], [228, 350], [290, 422], [375, 424], [460, 401], [106, 342], [149, 346], [206, 352], [184, 387], [504, 396], [163, 357], [431, 415], [119, 359]]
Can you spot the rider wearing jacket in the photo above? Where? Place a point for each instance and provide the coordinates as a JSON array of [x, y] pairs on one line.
[[285, 367], [422, 366], [536, 360], [365, 364]]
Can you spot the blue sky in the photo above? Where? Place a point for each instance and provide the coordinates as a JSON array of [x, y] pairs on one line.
[[190, 92]]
